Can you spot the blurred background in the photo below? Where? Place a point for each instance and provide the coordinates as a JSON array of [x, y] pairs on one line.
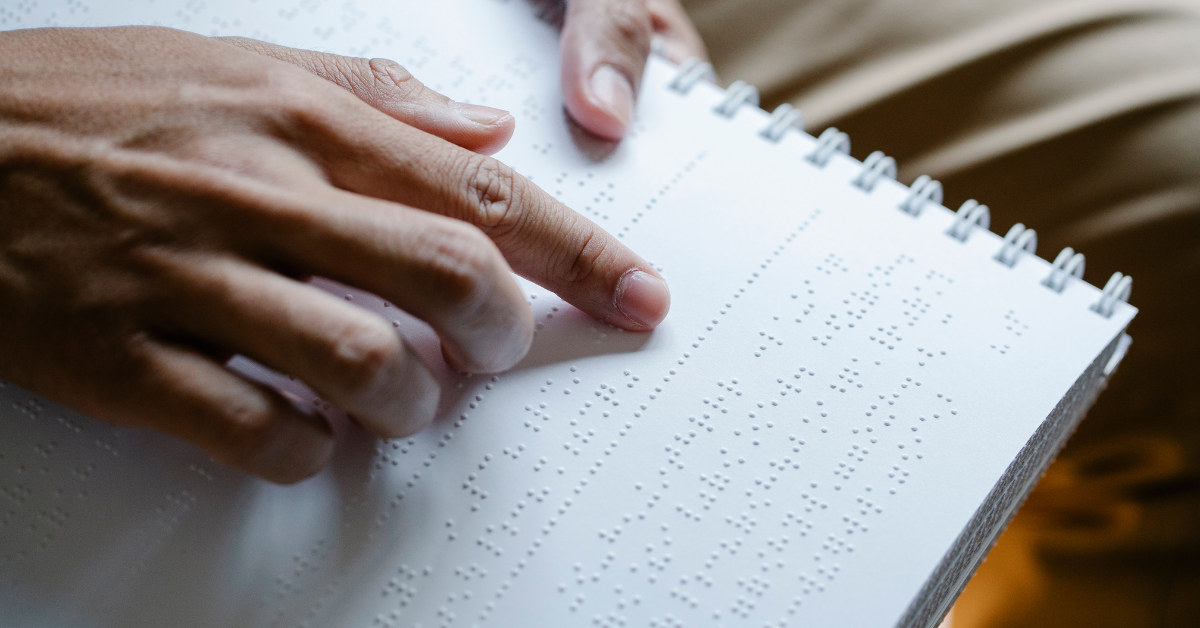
[[1082, 119]]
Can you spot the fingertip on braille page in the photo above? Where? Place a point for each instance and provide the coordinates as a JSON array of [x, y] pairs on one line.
[[496, 349], [299, 447], [407, 400], [642, 298]]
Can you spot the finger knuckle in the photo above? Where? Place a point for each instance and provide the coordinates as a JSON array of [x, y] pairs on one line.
[[353, 72], [462, 265], [302, 101], [582, 263], [363, 353], [491, 189], [392, 76]]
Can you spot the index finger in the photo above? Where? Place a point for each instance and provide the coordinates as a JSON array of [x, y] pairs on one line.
[[542, 239]]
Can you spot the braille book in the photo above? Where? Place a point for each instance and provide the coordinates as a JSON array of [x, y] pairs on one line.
[[853, 392]]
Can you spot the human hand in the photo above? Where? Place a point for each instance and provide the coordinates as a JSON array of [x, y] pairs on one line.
[[604, 48], [163, 196]]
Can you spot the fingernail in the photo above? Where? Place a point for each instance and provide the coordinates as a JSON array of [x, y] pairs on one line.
[[613, 92], [479, 114], [643, 298]]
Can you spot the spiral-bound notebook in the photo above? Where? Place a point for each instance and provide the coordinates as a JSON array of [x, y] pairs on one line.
[[855, 389]]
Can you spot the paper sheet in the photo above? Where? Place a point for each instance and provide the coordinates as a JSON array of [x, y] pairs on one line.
[[837, 388]]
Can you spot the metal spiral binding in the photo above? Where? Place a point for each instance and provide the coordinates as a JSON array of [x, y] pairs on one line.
[[970, 214], [1067, 264], [1016, 240], [736, 95], [830, 142], [783, 118], [925, 189], [691, 72], [876, 166], [1117, 289]]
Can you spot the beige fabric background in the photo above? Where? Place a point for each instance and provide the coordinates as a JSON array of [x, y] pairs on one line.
[[1081, 119]]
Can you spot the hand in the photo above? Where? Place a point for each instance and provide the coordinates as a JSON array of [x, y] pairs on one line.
[[164, 195], [604, 48]]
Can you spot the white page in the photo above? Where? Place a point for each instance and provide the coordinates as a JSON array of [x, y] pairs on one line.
[[650, 488]]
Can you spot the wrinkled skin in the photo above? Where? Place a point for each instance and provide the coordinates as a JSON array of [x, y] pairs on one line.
[[163, 197]]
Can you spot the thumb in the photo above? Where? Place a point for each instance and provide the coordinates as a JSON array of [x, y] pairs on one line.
[[388, 87], [604, 48]]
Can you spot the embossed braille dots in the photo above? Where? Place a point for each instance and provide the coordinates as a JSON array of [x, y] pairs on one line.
[[820, 523]]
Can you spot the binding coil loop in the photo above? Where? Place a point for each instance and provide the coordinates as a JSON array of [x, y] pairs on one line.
[[923, 190], [970, 214], [1067, 264], [738, 94], [830, 142], [783, 118], [876, 166], [690, 72], [1117, 289], [1016, 240]]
